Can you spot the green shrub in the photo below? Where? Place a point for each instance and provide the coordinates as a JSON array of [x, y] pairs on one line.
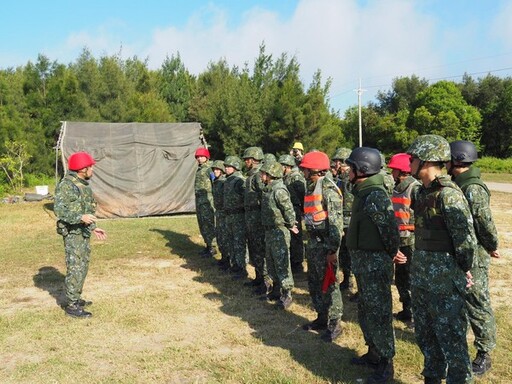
[[32, 180], [494, 165]]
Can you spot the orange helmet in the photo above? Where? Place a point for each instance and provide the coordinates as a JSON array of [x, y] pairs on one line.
[[201, 151], [400, 161], [79, 160], [315, 160]]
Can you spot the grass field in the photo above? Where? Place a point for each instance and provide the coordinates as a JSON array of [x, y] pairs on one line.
[[164, 315]]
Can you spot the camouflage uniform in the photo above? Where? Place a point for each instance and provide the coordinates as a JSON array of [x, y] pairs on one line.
[[278, 216], [478, 301], [322, 240], [235, 221], [220, 216], [204, 203], [345, 186], [73, 198], [296, 185], [373, 240]]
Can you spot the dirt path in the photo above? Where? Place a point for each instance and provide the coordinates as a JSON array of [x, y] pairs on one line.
[[500, 187]]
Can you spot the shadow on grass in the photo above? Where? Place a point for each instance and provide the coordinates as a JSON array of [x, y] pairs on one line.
[[274, 327], [51, 280]]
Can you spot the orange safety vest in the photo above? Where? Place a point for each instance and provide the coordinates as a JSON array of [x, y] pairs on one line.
[[314, 213], [402, 207]]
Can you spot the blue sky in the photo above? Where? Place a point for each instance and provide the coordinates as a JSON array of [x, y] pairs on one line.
[[347, 40]]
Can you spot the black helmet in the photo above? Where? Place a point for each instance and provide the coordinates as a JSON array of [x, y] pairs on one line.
[[365, 160], [463, 151]]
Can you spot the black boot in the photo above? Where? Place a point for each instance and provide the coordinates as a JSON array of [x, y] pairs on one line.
[[83, 303], [384, 372], [370, 359], [404, 315], [432, 380], [285, 301], [333, 331], [74, 310], [481, 364], [345, 284], [319, 324]]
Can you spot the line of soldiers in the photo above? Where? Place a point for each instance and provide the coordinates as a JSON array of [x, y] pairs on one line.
[[433, 232]]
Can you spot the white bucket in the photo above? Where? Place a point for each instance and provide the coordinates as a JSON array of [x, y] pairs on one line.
[[42, 189]]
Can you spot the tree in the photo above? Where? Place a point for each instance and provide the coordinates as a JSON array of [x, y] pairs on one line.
[[402, 94], [12, 163]]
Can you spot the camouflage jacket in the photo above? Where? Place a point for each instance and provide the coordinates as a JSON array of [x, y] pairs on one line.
[[332, 202], [74, 198], [253, 189], [218, 192], [344, 184], [389, 182], [203, 183], [234, 193], [478, 197], [296, 184], [276, 206]]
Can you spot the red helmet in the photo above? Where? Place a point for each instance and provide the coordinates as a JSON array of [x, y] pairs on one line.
[[316, 160], [400, 161], [79, 160], [201, 151]]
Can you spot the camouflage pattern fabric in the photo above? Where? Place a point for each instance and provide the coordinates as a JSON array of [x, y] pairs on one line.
[[389, 182], [74, 198], [254, 229], [204, 203], [220, 215], [344, 184], [373, 269], [235, 220], [478, 300], [320, 242], [277, 217], [296, 185], [438, 283]]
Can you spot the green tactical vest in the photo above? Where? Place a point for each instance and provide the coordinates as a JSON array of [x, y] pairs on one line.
[[470, 177], [431, 233], [362, 233]]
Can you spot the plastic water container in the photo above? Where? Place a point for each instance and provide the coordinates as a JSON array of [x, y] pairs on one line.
[[42, 189]]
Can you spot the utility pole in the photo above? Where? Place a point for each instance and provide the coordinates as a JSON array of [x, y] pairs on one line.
[[359, 94]]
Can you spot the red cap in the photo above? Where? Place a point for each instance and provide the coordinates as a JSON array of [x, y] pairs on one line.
[[316, 160], [79, 160], [201, 151], [400, 161]]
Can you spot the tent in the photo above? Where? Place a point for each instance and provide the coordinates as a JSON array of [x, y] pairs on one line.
[[142, 169]]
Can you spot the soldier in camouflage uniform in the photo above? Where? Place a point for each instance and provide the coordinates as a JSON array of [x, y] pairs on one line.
[[235, 217], [445, 246], [373, 240], [405, 186], [254, 229], [296, 184], [389, 182], [220, 216], [478, 300], [278, 218], [343, 182], [75, 207], [204, 201], [323, 217]]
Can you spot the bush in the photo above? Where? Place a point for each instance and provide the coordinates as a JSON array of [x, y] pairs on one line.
[[32, 180], [494, 165]]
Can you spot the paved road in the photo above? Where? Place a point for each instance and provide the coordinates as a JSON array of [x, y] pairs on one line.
[[500, 187]]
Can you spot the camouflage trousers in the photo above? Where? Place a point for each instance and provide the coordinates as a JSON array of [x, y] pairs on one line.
[[221, 233], [375, 309], [403, 277], [206, 221], [256, 246], [440, 326], [78, 252], [236, 240], [277, 255], [344, 256], [330, 303], [297, 240], [480, 314]]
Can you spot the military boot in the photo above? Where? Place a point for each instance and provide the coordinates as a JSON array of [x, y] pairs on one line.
[[481, 364], [346, 283], [319, 324], [333, 331], [273, 292], [83, 303], [370, 359], [405, 315], [75, 310], [384, 372], [432, 380], [285, 301]]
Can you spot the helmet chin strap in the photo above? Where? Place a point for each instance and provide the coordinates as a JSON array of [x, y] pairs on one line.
[[417, 173]]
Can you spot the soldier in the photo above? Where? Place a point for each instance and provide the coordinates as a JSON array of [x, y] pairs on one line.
[[220, 216], [478, 300], [373, 240], [204, 201], [344, 184], [445, 246], [75, 207], [235, 216], [296, 184], [254, 229], [323, 217], [389, 182], [405, 185], [297, 152], [278, 218]]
